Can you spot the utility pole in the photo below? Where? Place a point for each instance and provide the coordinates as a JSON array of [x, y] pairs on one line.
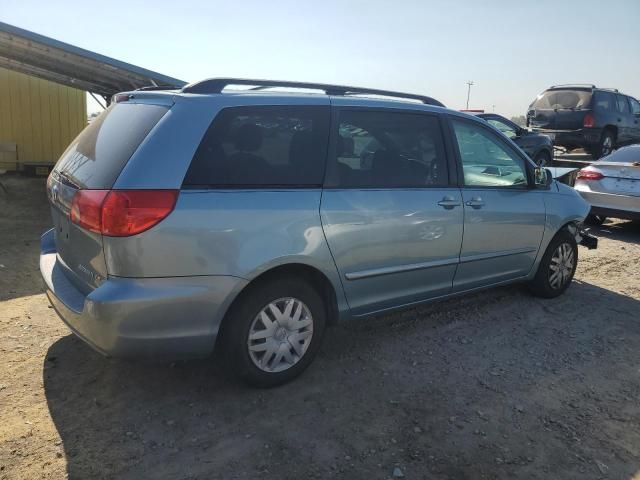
[[469, 83], [493, 108]]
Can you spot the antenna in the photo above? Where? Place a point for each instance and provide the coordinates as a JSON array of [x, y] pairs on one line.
[[469, 83]]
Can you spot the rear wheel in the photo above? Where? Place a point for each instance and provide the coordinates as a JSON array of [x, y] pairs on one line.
[[542, 159], [274, 331], [606, 145], [557, 267]]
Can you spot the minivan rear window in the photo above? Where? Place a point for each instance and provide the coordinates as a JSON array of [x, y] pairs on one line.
[[262, 146], [97, 156], [563, 99]]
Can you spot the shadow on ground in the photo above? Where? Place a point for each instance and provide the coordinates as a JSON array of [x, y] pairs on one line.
[[622, 230], [498, 384]]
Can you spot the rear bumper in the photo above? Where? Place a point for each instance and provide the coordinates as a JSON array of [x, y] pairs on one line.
[[611, 205], [159, 318], [583, 137]]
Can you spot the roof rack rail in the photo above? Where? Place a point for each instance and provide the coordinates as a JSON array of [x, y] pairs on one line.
[[590, 85], [156, 87], [610, 89], [216, 85]]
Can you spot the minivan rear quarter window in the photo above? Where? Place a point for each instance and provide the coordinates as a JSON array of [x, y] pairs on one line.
[[261, 147], [97, 156]]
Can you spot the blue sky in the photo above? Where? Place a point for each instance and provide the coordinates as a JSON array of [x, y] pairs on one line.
[[512, 50]]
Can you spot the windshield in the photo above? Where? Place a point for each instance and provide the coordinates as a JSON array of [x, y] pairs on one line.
[[563, 99]]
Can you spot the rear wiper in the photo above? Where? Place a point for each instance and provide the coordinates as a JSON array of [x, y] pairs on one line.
[[66, 179]]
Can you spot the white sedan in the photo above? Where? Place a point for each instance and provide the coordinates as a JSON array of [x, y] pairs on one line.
[[612, 185]]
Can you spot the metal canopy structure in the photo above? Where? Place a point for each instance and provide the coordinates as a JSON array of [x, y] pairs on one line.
[[33, 54]]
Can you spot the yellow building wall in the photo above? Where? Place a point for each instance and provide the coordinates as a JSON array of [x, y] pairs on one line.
[[41, 117]]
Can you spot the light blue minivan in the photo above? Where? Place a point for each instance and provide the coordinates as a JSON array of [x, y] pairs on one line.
[[248, 220]]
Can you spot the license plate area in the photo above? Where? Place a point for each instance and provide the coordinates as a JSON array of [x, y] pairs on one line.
[[627, 185], [62, 230]]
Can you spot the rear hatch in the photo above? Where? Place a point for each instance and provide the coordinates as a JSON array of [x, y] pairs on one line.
[[93, 161], [560, 109]]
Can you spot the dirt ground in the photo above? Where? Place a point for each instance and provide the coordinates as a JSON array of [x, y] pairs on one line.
[[495, 385]]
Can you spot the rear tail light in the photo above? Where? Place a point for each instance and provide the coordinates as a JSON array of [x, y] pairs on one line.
[[121, 213], [589, 175], [588, 121], [86, 209]]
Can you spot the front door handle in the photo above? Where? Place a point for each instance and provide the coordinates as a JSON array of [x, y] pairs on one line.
[[475, 202], [449, 202]]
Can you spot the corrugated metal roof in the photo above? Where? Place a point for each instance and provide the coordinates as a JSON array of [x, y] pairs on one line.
[[44, 57]]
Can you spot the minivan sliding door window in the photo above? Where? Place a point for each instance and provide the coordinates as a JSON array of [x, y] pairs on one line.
[[377, 149]]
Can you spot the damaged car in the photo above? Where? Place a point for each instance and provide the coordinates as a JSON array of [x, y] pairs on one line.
[[184, 223]]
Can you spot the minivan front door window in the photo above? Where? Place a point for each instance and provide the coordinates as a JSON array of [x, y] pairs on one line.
[[485, 162]]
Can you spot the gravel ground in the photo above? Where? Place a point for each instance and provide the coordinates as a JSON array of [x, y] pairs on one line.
[[494, 385]]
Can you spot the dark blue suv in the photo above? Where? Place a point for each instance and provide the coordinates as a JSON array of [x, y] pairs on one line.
[[584, 116]]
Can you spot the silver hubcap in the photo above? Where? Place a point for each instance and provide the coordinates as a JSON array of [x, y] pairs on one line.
[[280, 335], [561, 267], [607, 145]]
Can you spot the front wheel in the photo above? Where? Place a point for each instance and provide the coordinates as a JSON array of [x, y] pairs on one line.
[[274, 331], [557, 267]]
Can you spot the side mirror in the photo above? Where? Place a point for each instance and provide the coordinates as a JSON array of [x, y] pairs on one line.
[[542, 177]]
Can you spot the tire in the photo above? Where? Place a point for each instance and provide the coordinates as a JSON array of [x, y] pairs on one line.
[[542, 159], [605, 146], [287, 341], [550, 282], [596, 220]]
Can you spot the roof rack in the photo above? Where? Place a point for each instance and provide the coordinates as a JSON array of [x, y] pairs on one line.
[[216, 85], [157, 87], [589, 85], [609, 89]]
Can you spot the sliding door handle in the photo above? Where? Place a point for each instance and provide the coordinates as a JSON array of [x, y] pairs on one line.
[[449, 202]]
